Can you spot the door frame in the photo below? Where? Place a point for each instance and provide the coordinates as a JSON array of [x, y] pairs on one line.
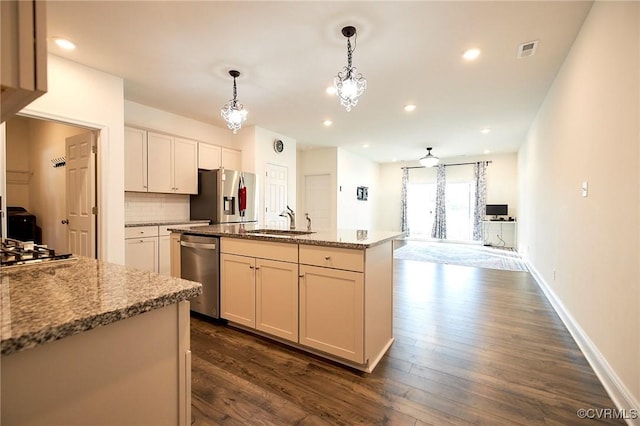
[[102, 147]]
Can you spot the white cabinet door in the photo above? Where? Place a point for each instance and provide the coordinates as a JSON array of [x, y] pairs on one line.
[[332, 311], [141, 253], [237, 289], [185, 163], [277, 298], [160, 159], [135, 160], [208, 156], [231, 159], [164, 255]]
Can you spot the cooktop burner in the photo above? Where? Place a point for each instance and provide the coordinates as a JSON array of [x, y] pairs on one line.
[[14, 252]]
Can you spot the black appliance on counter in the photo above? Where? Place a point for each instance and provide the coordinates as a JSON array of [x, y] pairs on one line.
[[21, 225]]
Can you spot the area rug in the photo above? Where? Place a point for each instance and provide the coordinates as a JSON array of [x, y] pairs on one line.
[[461, 254]]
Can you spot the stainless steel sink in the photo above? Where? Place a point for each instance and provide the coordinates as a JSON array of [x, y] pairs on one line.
[[290, 232]]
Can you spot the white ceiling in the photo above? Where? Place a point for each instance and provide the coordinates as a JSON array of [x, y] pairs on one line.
[[175, 56]]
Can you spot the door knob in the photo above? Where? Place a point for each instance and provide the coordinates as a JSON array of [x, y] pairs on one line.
[[65, 221]]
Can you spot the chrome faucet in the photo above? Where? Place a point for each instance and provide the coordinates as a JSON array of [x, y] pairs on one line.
[[306, 215], [292, 217]]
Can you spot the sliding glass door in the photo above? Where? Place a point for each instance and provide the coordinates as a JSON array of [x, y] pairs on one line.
[[421, 203]]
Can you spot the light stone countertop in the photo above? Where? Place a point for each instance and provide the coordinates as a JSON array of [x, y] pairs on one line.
[[165, 223], [49, 301], [343, 238]]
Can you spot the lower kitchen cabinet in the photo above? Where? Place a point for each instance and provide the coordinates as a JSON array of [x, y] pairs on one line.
[[238, 289], [332, 311], [141, 248], [174, 249], [259, 286], [164, 255]]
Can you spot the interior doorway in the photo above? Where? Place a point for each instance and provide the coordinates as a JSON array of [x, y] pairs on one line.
[[36, 178], [317, 201]]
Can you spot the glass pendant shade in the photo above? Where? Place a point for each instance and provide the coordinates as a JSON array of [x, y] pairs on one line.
[[233, 112], [429, 160], [349, 84]]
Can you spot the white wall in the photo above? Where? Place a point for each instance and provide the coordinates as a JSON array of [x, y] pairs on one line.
[[87, 97], [354, 171], [18, 152], [585, 250], [502, 184], [257, 150]]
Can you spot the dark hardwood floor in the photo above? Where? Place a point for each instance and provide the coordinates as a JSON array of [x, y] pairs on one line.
[[473, 346]]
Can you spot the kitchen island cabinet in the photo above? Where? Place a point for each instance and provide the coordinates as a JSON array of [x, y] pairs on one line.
[[259, 286], [329, 293], [87, 342]]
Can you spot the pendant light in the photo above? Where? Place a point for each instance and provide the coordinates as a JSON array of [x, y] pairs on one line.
[[349, 83], [429, 160], [233, 112]]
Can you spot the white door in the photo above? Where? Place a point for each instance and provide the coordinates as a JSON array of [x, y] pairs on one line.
[[81, 194], [317, 201], [275, 196]]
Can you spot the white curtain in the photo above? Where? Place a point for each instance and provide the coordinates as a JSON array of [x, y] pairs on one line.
[[480, 172], [440, 220]]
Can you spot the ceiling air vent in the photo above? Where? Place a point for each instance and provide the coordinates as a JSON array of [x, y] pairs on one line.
[[527, 49]]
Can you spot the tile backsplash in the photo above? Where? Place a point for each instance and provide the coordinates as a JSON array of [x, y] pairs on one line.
[[140, 207]]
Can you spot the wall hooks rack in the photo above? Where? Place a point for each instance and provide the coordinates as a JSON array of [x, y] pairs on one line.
[[59, 162]]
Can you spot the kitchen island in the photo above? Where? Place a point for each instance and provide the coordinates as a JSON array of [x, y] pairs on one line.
[[88, 342], [329, 293]]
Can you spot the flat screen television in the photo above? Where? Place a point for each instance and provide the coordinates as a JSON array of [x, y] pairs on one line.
[[497, 209]]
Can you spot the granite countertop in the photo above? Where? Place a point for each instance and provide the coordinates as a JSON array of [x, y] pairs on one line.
[[165, 222], [344, 238], [49, 301]]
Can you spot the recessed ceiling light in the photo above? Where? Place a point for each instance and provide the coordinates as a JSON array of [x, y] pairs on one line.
[[486, 130], [63, 43], [471, 54], [365, 145], [331, 90], [486, 151], [327, 123], [410, 107]]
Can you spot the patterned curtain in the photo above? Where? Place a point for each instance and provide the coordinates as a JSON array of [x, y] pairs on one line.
[[403, 201], [480, 171], [440, 220]]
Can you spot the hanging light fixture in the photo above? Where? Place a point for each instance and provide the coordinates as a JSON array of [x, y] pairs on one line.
[[349, 83], [429, 160], [233, 112]]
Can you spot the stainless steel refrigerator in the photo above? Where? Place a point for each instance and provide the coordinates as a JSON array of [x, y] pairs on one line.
[[225, 196]]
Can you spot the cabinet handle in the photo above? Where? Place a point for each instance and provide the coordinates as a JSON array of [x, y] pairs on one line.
[[250, 266], [301, 276], [257, 267], [327, 257]]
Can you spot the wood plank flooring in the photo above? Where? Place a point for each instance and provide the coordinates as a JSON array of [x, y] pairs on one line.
[[473, 346]]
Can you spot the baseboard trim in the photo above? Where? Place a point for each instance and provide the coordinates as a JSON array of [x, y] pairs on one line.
[[616, 389]]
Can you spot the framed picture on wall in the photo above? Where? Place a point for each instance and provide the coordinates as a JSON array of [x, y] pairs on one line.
[[362, 193]]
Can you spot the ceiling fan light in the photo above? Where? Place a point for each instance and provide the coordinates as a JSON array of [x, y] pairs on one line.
[[429, 160]]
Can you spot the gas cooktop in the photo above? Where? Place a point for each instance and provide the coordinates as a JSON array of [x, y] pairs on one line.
[[14, 252]]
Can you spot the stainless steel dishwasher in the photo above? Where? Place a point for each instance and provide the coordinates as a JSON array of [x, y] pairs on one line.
[[200, 262]]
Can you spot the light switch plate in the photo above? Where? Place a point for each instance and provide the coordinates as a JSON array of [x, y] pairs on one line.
[[585, 188]]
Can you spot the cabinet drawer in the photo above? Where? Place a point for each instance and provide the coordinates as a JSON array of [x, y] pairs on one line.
[[140, 231], [332, 257], [261, 249]]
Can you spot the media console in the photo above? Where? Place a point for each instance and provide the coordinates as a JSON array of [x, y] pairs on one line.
[[500, 233]]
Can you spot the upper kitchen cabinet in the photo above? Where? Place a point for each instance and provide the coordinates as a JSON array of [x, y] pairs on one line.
[[135, 160], [209, 156], [231, 159], [173, 164], [23, 69]]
